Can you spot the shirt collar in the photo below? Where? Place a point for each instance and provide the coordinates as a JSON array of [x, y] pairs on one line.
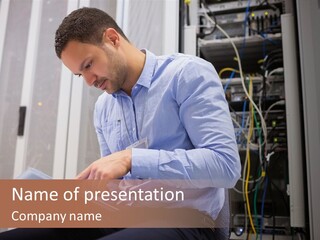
[[148, 69], [146, 74]]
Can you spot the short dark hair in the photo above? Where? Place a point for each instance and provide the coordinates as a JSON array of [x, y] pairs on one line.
[[85, 25]]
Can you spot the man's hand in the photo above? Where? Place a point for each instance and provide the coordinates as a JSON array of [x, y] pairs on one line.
[[112, 166]]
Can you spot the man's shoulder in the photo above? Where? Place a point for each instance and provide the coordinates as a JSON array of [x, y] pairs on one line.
[[180, 61], [103, 100]]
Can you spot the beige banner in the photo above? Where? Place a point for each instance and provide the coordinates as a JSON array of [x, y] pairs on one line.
[[89, 203]]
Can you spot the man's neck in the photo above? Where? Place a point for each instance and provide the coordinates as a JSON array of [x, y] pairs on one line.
[[136, 60]]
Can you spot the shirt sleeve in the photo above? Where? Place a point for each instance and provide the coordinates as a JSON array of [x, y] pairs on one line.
[[205, 115]]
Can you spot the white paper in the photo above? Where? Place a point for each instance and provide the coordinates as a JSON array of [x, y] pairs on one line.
[[32, 173]]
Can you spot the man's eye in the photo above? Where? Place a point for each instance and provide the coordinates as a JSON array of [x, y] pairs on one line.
[[88, 65]]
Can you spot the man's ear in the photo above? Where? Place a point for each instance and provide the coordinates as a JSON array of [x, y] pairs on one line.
[[111, 36]]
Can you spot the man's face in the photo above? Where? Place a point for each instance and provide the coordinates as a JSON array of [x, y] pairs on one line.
[[101, 67]]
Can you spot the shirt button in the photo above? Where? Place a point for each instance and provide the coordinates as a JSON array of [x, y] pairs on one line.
[[133, 129]]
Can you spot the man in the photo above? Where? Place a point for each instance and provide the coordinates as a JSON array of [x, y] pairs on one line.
[[160, 117]]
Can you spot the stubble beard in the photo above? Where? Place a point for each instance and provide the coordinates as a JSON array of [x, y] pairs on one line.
[[119, 74]]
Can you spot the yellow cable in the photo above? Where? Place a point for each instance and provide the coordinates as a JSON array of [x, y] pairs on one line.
[[227, 69], [248, 157]]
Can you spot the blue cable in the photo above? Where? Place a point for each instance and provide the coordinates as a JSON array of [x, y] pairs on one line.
[[245, 22], [229, 80], [242, 120], [264, 51], [243, 112]]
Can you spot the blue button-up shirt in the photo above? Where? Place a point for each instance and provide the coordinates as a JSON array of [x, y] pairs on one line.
[[179, 106]]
